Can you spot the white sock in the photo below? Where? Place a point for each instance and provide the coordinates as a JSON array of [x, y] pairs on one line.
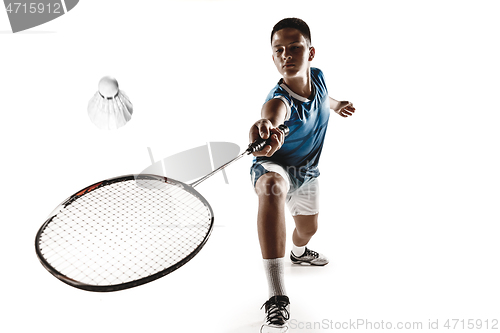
[[298, 250], [275, 276]]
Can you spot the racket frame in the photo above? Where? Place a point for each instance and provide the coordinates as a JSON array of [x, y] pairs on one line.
[[130, 284]]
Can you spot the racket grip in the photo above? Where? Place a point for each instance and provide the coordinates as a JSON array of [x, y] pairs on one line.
[[259, 144]]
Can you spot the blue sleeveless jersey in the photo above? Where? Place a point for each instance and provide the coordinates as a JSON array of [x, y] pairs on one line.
[[307, 121]]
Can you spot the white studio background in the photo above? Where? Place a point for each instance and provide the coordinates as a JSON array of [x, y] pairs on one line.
[[409, 184]]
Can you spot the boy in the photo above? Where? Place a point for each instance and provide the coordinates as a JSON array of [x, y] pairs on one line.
[[286, 171]]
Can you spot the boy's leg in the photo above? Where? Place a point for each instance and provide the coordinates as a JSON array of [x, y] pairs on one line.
[[305, 227], [304, 206], [271, 189]]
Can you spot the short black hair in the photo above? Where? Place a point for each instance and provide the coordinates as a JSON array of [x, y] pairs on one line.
[[294, 23]]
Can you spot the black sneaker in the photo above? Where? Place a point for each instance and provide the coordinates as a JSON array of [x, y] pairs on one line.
[[277, 315], [309, 257]]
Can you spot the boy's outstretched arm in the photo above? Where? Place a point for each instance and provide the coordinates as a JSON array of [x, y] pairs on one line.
[[273, 114], [343, 108]]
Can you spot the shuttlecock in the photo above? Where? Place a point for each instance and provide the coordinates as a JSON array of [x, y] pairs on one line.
[[110, 108]]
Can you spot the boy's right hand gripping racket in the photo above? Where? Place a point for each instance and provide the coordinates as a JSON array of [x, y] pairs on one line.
[[126, 231]]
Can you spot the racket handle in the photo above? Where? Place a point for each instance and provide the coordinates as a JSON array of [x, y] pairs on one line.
[[259, 144]]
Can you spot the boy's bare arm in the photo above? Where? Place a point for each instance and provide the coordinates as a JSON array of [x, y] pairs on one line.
[[343, 108], [273, 114]]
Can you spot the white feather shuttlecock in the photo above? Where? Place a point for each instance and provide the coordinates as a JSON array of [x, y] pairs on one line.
[[110, 107]]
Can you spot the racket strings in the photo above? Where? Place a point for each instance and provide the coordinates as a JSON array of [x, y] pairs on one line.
[[125, 231]]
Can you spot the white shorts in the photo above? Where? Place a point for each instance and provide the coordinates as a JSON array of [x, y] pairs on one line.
[[301, 200]]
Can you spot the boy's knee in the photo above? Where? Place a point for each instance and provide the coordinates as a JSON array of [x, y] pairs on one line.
[[306, 225], [271, 185], [308, 231]]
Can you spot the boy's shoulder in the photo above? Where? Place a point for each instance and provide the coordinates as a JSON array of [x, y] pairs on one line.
[[317, 73]]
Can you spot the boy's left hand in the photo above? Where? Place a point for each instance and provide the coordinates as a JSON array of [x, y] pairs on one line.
[[344, 109]]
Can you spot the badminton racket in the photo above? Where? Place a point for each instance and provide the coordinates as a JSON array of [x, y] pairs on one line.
[[127, 231]]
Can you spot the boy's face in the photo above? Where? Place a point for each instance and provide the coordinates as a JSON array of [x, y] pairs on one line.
[[291, 53]]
